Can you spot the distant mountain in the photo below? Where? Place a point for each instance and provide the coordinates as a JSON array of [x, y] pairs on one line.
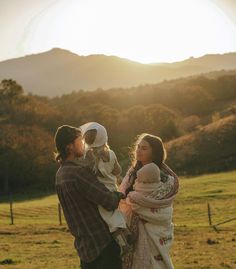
[[59, 71]]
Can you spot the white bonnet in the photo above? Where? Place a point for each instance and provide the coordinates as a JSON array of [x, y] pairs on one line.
[[101, 136]]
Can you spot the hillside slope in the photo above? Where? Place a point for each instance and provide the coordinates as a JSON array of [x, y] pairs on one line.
[[58, 71], [210, 149]]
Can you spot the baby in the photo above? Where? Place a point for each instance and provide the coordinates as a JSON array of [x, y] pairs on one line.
[[148, 178], [149, 183], [150, 202]]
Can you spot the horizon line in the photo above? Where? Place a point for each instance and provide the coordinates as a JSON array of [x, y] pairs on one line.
[[111, 55]]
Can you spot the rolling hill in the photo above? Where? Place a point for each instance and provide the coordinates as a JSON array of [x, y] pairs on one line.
[[212, 148], [59, 71]]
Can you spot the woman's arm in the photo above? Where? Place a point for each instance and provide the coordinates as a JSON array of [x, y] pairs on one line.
[[125, 184]]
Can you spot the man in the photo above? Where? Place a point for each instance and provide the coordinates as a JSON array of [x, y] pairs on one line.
[[80, 193]]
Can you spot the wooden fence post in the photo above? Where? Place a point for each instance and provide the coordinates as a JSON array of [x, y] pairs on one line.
[[11, 209], [209, 213], [59, 214]]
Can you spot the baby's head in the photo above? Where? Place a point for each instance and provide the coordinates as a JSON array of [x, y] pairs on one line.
[[94, 134], [149, 173]]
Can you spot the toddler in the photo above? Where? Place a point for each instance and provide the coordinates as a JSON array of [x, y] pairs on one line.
[[105, 164]]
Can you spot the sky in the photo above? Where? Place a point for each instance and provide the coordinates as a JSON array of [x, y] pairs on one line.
[[146, 31]]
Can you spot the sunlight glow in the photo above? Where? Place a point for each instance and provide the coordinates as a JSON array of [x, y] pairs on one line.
[[140, 30]]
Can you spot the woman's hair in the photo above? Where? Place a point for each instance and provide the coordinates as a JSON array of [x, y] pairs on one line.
[[158, 154], [95, 153], [158, 150], [64, 136]]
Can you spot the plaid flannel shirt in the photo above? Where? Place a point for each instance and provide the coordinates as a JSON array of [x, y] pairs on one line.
[[80, 193]]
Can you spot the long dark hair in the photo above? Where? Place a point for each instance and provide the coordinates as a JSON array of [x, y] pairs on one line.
[[158, 155]]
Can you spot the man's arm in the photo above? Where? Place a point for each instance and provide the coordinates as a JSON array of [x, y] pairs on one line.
[[89, 186]]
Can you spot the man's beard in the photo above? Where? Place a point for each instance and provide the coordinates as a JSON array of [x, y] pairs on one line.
[[79, 154]]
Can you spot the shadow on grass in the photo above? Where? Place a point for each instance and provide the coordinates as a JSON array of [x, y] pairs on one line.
[[7, 261]]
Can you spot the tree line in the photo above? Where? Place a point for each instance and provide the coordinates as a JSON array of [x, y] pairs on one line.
[[170, 109]]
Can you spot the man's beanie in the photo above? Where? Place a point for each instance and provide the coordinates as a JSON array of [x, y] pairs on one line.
[[65, 135]]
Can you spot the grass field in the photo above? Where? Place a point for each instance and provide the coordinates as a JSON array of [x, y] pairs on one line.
[[37, 241]]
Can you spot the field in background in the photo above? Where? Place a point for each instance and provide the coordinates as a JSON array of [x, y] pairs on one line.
[[37, 241]]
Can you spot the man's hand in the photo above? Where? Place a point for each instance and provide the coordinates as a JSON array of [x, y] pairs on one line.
[[121, 195]]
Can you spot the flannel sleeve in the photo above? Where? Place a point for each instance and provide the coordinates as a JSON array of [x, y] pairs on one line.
[[89, 186]]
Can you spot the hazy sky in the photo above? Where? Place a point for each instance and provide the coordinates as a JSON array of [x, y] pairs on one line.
[[141, 30]]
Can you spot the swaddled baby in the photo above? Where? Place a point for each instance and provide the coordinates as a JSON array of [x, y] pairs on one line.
[[154, 209], [149, 191], [148, 179]]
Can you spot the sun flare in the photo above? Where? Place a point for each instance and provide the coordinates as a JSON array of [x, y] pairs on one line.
[[141, 30]]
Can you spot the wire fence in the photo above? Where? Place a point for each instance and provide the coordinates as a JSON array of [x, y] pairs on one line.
[[46, 211], [213, 224]]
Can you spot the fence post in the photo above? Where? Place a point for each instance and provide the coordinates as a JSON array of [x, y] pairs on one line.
[[59, 214], [209, 213], [11, 209]]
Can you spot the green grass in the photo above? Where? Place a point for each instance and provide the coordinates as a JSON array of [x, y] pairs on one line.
[[217, 189], [37, 241]]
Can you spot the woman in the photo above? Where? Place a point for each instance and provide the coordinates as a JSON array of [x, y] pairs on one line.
[[149, 218]]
